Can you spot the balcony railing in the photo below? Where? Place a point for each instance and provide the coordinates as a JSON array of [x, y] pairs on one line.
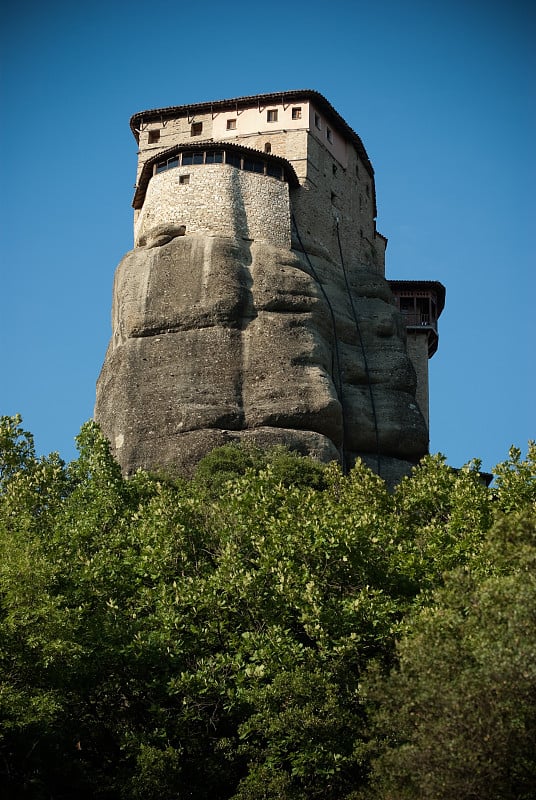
[[418, 320]]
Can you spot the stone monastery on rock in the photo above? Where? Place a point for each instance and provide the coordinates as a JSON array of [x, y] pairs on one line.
[[254, 306]]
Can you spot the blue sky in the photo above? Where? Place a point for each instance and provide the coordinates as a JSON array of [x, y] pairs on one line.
[[442, 94]]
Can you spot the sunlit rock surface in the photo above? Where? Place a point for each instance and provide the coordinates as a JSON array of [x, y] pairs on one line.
[[217, 339]]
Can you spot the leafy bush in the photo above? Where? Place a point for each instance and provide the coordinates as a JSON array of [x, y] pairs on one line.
[[214, 638]]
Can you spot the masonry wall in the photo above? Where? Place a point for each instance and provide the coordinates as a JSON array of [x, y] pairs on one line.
[[333, 191], [217, 199], [333, 181]]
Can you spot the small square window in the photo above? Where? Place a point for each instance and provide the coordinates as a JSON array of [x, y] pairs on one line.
[[196, 129], [318, 122], [231, 124], [296, 112], [154, 136], [271, 115], [329, 135], [184, 179]]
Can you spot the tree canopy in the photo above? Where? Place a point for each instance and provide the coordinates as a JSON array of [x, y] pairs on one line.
[[269, 629]]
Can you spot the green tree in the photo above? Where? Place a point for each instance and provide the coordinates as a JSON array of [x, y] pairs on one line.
[[456, 717], [209, 639]]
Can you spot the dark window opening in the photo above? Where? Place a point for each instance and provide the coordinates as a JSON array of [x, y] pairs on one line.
[[184, 179], [334, 169], [233, 159], [267, 147], [367, 189], [231, 124], [196, 129], [246, 162], [329, 135], [271, 115], [154, 136], [253, 165], [318, 122], [296, 112], [275, 171]]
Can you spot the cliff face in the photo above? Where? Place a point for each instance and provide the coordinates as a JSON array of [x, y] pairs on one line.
[[217, 339]]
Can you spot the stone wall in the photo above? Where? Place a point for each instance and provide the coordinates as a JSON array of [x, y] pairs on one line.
[[330, 192], [216, 199], [333, 181]]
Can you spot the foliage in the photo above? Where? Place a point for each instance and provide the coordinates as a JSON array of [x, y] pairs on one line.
[[210, 639], [459, 710]]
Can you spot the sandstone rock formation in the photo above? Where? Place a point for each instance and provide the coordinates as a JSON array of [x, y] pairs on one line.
[[218, 339]]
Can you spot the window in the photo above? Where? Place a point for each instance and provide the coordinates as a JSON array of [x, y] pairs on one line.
[[154, 136], [275, 171], [169, 164], [334, 169], [196, 129], [231, 124], [214, 157], [271, 115], [233, 159], [253, 165], [296, 112], [367, 189], [329, 135], [267, 147], [318, 121], [248, 162]]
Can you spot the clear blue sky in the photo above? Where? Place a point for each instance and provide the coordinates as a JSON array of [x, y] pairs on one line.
[[442, 94]]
